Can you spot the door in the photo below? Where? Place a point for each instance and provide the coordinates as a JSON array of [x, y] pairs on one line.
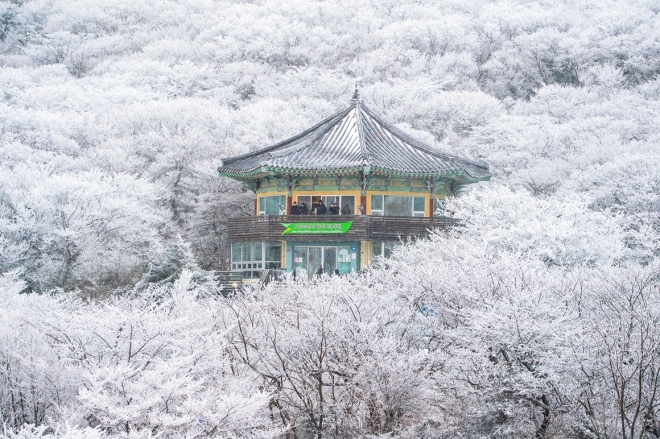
[[318, 257], [300, 262], [315, 261], [329, 260]]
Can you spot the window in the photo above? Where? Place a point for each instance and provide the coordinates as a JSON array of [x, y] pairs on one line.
[[273, 257], [419, 206], [383, 249], [376, 249], [346, 203], [397, 205], [377, 205], [273, 205], [255, 256], [389, 246], [236, 254]]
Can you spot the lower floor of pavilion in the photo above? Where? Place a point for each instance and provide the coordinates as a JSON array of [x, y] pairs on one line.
[[305, 259]]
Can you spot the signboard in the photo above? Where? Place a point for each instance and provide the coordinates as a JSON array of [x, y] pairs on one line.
[[316, 228]]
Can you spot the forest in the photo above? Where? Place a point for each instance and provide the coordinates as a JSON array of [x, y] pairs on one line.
[[539, 317]]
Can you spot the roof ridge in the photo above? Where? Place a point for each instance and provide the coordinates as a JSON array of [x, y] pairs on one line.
[[338, 115], [418, 144], [315, 139], [359, 125]]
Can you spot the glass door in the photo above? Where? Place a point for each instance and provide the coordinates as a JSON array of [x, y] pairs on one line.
[[329, 260], [300, 262], [344, 260], [309, 260], [315, 261]]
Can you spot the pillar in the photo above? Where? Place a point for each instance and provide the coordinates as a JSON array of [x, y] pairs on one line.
[[365, 254], [431, 198], [289, 196]]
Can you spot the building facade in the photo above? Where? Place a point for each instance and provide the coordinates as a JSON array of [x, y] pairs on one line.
[[333, 197]]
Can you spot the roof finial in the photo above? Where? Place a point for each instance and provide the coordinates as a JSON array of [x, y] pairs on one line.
[[356, 94]]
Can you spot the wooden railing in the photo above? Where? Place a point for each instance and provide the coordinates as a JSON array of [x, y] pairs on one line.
[[364, 228]]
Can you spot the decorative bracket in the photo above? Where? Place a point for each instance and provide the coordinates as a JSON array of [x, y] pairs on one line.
[[440, 186], [251, 185], [364, 184], [283, 183], [338, 179], [293, 182], [455, 187], [379, 187]]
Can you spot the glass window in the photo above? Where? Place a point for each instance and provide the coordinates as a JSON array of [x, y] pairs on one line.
[[273, 205], [257, 249], [419, 206], [347, 205], [376, 249], [236, 252], [397, 205], [273, 251], [308, 202], [376, 204], [388, 247], [247, 251], [256, 255]]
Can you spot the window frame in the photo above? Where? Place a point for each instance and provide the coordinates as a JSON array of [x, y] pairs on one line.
[[309, 200], [238, 250], [262, 205], [383, 204]]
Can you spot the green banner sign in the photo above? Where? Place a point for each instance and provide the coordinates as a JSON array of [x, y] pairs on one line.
[[309, 228]]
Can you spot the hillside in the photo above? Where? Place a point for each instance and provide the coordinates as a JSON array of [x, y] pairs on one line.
[[115, 115], [539, 319]]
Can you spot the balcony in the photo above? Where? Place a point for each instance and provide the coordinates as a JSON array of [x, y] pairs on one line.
[[364, 228]]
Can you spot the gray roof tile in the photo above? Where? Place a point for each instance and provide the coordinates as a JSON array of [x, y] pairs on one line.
[[352, 138]]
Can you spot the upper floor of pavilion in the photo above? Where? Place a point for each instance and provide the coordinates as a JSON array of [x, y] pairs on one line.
[[354, 158]]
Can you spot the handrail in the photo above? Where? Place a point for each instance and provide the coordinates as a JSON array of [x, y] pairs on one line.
[[365, 227], [327, 218]]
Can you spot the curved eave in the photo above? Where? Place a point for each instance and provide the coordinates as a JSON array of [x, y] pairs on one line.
[[421, 146], [245, 175], [267, 171]]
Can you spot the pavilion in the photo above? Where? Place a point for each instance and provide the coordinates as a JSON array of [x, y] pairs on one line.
[[384, 184]]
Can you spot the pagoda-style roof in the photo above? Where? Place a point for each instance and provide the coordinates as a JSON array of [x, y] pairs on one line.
[[352, 140]]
